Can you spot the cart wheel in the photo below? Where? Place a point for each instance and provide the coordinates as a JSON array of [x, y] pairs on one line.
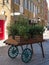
[[13, 52], [26, 55]]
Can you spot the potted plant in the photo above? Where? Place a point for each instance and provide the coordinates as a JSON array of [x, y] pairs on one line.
[[23, 30], [36, 32], [19, 29]]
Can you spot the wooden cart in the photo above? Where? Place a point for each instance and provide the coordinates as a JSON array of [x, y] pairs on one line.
[[26, 54]]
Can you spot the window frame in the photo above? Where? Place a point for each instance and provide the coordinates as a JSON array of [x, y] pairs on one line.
[[17, 2]]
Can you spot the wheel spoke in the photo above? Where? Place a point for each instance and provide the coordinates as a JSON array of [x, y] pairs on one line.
[[13, 51], [26, 55]]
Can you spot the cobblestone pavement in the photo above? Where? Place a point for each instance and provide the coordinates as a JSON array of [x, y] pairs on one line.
[[37, 58]]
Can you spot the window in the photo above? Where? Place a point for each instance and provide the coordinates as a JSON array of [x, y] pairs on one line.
[[26, 4], [38, 10], [17, 1], [6, 1], [29, 5], [33, 7], [23, 3], [38, 1]]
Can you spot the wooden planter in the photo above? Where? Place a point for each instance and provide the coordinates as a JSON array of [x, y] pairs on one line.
[[34, 39], [38, 37], [19, 38], [21, 41]]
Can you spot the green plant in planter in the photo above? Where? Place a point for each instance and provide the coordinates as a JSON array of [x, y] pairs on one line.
[[36, 30], [20, 28], [12, 29], [23, 28]]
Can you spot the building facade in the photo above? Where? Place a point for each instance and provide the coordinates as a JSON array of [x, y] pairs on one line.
[[5, 13], [5, 9], [32, 9]]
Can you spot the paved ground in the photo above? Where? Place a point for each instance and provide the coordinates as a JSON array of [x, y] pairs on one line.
[[37, 58]]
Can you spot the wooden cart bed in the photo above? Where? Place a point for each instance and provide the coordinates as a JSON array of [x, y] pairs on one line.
[[11, 41]]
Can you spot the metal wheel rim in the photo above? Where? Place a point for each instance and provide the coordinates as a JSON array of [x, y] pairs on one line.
[[13, 52], [26, 55]]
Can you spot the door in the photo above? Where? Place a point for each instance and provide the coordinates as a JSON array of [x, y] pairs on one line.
[[2, 29]]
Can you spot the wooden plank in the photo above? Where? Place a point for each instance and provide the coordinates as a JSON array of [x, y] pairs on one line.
[[14, 42]]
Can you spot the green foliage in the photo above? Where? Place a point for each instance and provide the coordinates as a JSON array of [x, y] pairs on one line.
[[36, 30], [22, 28], [12, 29]]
